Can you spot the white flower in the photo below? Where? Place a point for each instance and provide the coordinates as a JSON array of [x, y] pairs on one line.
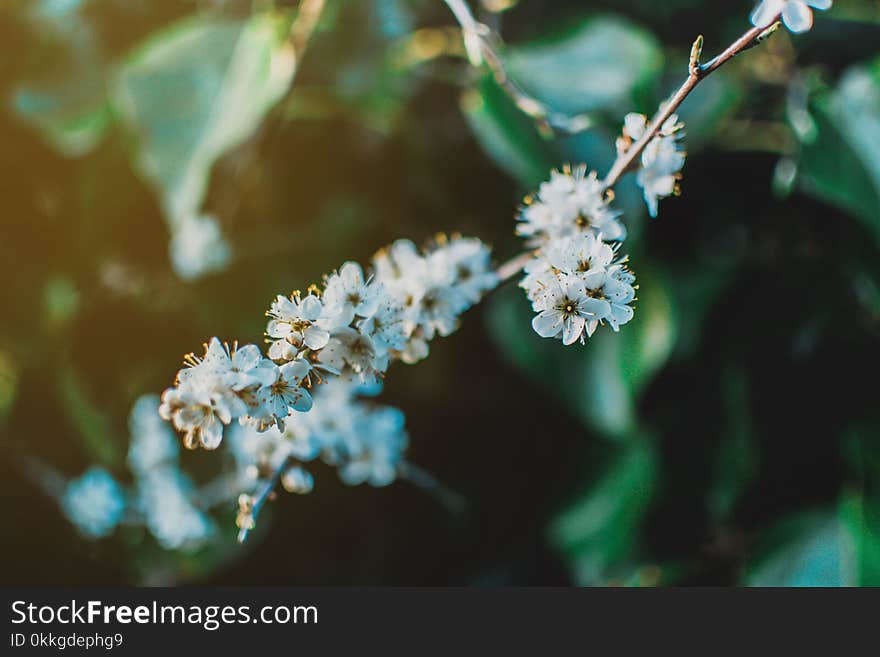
[[387, 325], [565, 309], [94, 502], [152, 442], [576, 285], [198, 248], [199, 413], [351, 348], [383, 441], [796, 14], [468, 261], [287, 393], [165, 500], [570, 203], [347, 294], [297, 323], [661, 161]]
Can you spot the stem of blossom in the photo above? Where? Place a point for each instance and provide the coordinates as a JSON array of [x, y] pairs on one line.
[[261, 497], [513, 266], [696, 73], [453, 501], [478, 40]]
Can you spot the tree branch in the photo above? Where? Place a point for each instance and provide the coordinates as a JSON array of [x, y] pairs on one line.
[[478, 42], [696, 73]]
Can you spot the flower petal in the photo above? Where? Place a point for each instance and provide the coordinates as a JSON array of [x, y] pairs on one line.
[[766, 12], [572, 328], [548, 324], [797, 16]]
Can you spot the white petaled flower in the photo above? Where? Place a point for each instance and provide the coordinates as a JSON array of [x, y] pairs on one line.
[[355, 350], [287, 393], [387, 325], [298, 323], [383, 441], [661, 161], [572, 202], [165, 500], [576, 285], [565, 309], [152, 442], [94, 503], [468, 261], [796, 14], [347, 294]]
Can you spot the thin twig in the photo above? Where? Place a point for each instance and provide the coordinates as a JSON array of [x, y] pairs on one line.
[[264, 493], [453, 501], [478, 41], [696, 73]]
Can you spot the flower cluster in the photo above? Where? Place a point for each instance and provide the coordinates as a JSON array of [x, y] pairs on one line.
[[364, 441], [570, 204], [662, 160], [576, 281], [796, 14], [351, 327]]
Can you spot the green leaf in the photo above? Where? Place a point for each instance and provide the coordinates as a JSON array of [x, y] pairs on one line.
[[860, 517], [835, 547], [599, 532], [507, 135], [600, 382], [736, 459], [840, 161], [197, 90], [597, 65], [67, 100]]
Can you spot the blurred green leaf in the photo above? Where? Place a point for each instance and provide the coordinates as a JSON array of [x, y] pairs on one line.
[[596, 65], [507, 135], [197, 90], [599, 531], [805, 550], [94, 427], [860, 517], [715, 98], [736, 459], [840, 162], [9, 375], [838, 547], [601, 381], [62, 300], [67, 100]]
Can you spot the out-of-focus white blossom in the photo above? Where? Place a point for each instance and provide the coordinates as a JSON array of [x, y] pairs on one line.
[[198, 247], [571, 203], [165, 499], [796, 14], [94, 502], [365, 442], [662, 160], [152, 442]]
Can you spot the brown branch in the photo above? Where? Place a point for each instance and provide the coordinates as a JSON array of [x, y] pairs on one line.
[[697, 72], [479, 43]]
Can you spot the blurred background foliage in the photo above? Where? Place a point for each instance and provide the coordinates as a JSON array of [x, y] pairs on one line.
[[729, 435]]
